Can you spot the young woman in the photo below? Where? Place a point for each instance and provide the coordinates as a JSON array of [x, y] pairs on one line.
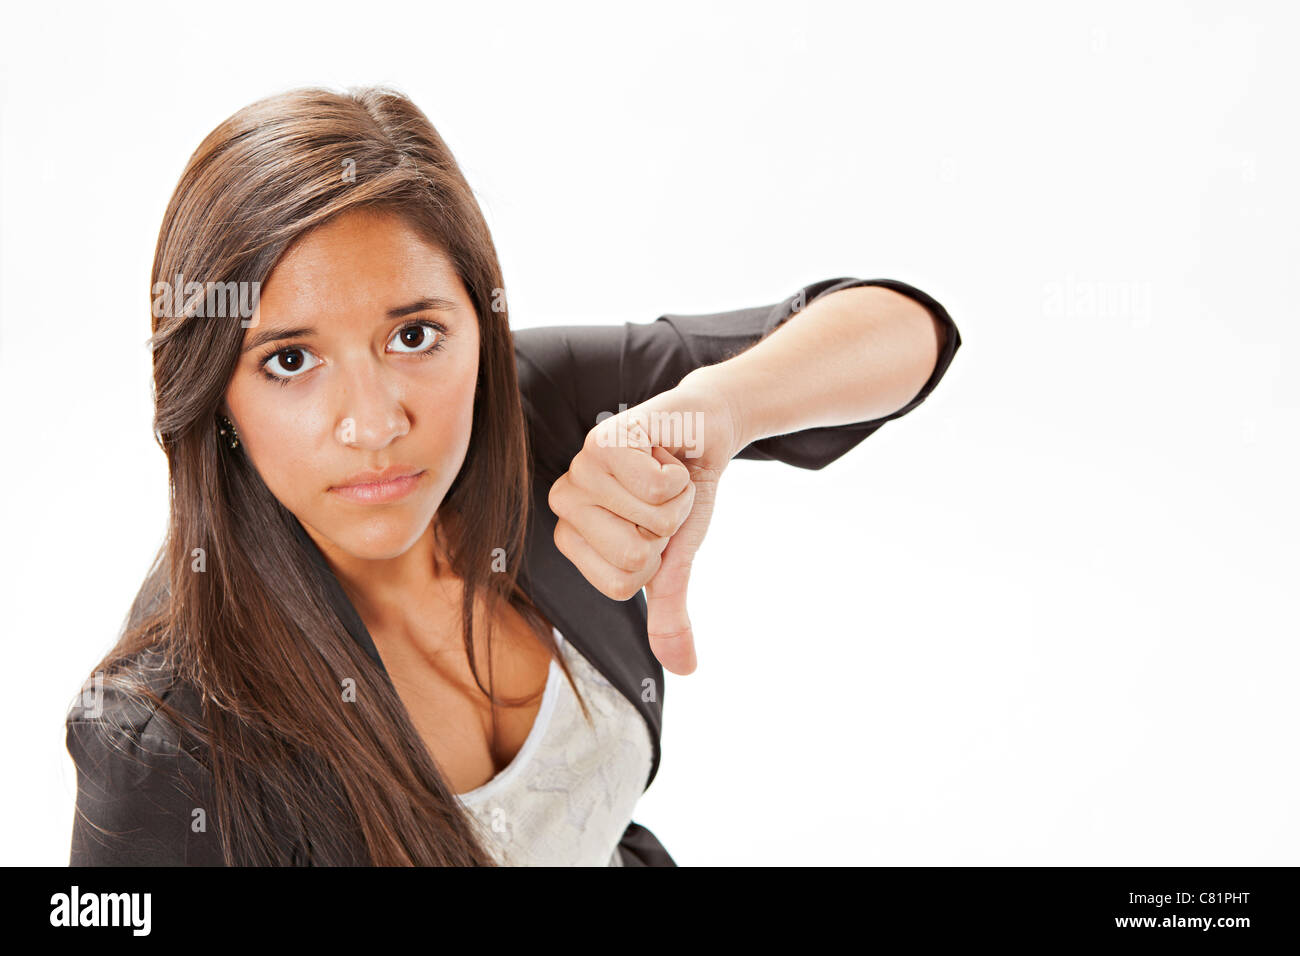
[[397, 618]]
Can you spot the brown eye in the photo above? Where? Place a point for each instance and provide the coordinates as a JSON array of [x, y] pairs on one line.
[[417, 338], [290, 362]]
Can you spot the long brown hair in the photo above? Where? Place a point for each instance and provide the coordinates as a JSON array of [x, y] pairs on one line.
[[256, 635]]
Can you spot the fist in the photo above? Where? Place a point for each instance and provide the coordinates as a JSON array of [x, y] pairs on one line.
[[635, 503]]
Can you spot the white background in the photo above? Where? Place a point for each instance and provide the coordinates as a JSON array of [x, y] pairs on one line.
[[1049, 617]]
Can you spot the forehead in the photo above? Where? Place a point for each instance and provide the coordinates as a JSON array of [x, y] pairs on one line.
[[362, 259]]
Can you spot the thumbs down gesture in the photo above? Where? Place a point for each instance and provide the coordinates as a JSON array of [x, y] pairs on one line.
[[635, 504]]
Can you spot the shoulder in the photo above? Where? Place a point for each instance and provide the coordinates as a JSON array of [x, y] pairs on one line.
[[143, 794], [559, 369], [547, 357], [119, 704]]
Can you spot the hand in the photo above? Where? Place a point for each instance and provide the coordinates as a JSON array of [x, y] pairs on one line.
[[635, 504]]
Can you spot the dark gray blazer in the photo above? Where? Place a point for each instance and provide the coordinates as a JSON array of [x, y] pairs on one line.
[[135, 786]]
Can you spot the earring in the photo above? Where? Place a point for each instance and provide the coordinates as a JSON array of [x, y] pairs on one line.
[[226, 429]]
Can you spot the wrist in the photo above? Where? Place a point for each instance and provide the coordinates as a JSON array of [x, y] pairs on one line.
[[716, 386]]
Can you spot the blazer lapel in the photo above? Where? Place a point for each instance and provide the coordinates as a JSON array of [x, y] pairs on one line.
[[610, 634]]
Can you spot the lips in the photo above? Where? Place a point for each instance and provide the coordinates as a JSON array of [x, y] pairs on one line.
[[374, 487]]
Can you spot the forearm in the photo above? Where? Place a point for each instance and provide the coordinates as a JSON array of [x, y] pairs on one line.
[[854, 355]]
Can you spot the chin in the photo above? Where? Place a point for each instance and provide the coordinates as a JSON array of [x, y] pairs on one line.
[[381, 538]]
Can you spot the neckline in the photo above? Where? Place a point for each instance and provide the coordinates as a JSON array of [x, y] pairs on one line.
[[535, 733], [552, 600]]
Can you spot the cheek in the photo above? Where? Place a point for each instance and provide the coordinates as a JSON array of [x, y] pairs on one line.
[[442, 421], [290, 447]]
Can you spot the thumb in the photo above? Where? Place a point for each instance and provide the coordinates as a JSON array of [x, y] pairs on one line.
[[667, 622]]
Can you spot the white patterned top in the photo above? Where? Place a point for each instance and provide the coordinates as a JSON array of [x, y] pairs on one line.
[[568, 795]]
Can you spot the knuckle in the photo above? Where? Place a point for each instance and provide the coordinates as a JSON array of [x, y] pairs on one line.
[[583, 468], [619, 584], [625, 588], [657, 523], [554, 496], [610, 586], [598, 437], [665, 487], [666, 523], [636, 554], [654, 489], [651, 569]]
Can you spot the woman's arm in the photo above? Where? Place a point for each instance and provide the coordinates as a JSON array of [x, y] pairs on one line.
[[627, 515], [855, 355], [572, 376]]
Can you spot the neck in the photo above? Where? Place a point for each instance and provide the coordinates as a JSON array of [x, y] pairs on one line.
[[386, 591]]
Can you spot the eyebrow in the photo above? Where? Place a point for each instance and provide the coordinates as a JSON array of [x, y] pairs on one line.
[[426, 304]]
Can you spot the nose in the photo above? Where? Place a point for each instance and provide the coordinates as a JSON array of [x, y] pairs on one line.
[[371, 412]]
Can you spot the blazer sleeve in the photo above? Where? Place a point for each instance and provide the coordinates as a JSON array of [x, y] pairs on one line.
[[570, 375], [136, 796]]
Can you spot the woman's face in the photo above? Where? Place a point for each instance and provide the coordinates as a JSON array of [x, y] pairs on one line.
[[362, 359]]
